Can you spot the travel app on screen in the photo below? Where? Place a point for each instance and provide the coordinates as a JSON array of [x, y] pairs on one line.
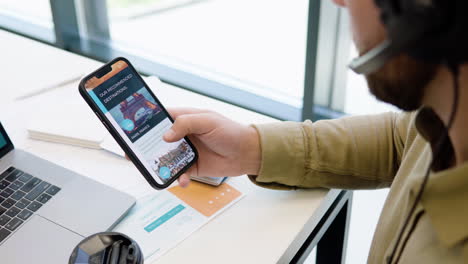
[[140, 121]]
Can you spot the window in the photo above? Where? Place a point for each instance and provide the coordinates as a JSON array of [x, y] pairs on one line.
[[37, 11], [358, 99], [281, 58], [29, 17], [260, 43]]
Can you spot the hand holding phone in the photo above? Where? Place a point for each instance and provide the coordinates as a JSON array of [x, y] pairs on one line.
[[225, 147], [137, 120]]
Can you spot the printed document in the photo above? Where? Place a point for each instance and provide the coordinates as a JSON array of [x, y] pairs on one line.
[[161, 220]]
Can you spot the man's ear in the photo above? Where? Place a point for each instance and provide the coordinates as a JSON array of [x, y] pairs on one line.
[[340, 3]]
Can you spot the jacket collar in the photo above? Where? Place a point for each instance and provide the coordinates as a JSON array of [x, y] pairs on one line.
[[445, 198]]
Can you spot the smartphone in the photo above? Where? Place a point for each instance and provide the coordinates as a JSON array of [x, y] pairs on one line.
[[137, 120]]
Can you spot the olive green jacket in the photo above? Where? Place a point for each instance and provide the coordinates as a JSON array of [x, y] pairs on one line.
[[369, 152]]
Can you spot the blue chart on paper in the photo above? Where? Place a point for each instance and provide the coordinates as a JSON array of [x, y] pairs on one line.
[[161, 220]]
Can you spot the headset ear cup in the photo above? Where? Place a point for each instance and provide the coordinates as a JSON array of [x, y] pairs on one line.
[[404, 35], [419, 28], [136, 253], [432, 31]]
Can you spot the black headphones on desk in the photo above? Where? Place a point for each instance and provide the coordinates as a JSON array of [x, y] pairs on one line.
[[107, 248], [432, 31]]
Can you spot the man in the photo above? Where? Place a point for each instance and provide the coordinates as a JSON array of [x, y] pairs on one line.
[[363, 152]]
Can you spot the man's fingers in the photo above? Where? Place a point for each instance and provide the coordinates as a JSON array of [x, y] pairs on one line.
[[184, 180], [189, 124]]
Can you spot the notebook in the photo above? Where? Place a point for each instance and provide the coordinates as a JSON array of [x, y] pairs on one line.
[[62, 116]]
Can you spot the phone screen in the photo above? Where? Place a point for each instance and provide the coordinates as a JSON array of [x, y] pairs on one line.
[[140, 120]]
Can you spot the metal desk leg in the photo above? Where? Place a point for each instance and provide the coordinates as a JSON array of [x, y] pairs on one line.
[[330, 234], [332, 247]]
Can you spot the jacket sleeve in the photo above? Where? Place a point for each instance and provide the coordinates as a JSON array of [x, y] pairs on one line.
[[361, 152]]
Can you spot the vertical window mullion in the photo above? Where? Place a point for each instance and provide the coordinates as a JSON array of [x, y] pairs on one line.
[[94, 18], [311, 59], [323, 60], [65, 23]]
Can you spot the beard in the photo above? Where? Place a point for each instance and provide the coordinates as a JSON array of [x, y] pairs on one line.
[[401, 82]]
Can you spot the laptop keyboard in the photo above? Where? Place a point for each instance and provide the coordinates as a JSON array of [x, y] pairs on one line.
[[21, 194]]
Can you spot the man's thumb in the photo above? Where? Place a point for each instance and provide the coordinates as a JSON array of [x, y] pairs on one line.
[[188, 124]]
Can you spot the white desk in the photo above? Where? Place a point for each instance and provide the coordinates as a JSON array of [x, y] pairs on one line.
[[265, 227]]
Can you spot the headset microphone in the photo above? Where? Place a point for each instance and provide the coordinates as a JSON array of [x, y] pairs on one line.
[[374, 59], [412, 29], [377, 57]]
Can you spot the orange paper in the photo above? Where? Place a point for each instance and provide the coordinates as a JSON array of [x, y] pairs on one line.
[[204, 198]]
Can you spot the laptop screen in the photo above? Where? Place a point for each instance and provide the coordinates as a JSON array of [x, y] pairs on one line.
[[5, 143], [2, 141]]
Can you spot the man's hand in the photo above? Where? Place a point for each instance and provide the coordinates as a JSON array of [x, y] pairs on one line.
[[225, 147]]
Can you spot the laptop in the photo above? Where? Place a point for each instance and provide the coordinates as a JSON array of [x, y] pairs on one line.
[[46, 210]]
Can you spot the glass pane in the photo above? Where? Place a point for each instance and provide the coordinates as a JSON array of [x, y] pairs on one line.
[[35, 11], [358, 98], [257, 42]]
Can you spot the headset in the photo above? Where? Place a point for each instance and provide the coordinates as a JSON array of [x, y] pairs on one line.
[[432, 31]]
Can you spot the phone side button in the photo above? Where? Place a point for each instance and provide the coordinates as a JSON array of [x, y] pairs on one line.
[[107, 127], [98, 116]]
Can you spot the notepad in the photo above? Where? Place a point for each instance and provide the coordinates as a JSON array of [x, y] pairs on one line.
[[66, 128], [62, 116], [72, 138]]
